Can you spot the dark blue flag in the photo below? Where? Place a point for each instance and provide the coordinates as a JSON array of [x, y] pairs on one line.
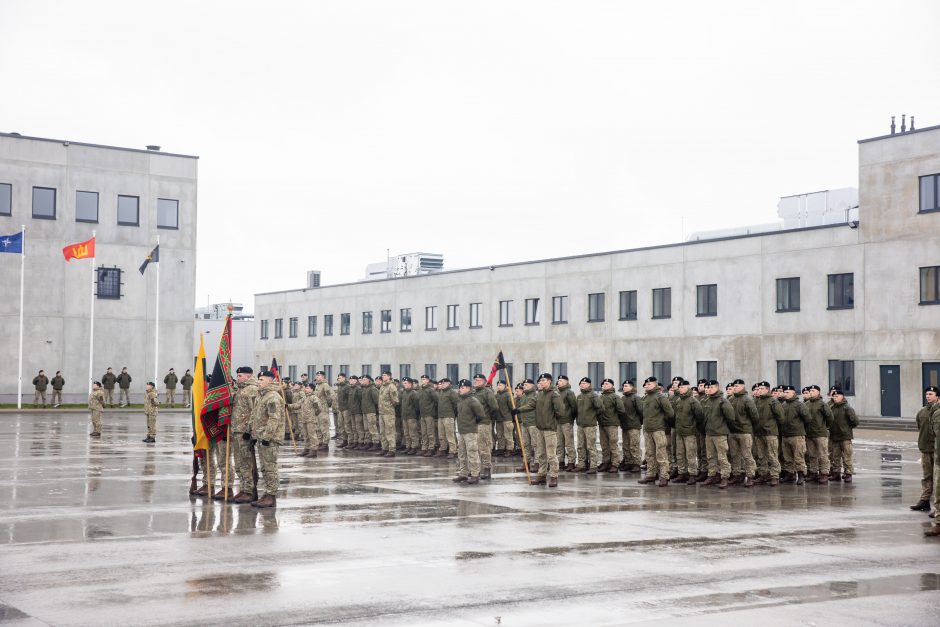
[[12, 243]]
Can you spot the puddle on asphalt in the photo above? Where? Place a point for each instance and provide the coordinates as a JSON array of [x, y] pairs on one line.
[[218, 585]]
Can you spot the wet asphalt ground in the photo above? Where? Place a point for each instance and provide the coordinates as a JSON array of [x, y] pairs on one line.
[[104, 533]]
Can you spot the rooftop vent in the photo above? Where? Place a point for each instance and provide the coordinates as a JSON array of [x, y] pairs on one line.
[[153, 147]]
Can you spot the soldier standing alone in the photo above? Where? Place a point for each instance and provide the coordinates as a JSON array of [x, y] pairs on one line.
[[151, 406], [96, 405], [170, 381], [57, 384]]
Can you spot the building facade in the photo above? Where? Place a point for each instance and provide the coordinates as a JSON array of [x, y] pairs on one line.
[[850, 304], [62, 191]]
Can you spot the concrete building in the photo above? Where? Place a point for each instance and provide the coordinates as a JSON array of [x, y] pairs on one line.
[[62, 191], [210, 321], [851, 304], [405, 264]]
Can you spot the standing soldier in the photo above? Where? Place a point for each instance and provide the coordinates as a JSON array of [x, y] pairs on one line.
[[370, 411], [589, 408], [325, 395], [702, 396], [96, 405], [631, 421], [304, 413], [817, 436], [656, 409], [57, 384], [187, 383], [124, 385], [409, 415], [341, 415], [793, 430], [150, 410], [107, 382], [741, 439], [267, 427], [470, 414], [354, 399], [446, 413], [170, 381], [926, 444], [246, 393], [769, 416], [504, 423], [719, 417], [427, 409], [40, 383], [548, 407], [388, 400], [608, 421], [933, 418], [840, 438], [565, 434], [688, 417], [525, 410], [487, 398]]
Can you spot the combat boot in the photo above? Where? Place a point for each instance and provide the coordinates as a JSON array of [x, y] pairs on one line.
[[723, 483], [612, 470], [473, 480], [635, 468], [311, 455], [673, 473], [772, 482], [747, 483], [534, 468], [702, 476], [800, 478], [539, 480], [847, 477], [933, 531], [553, 482], [486, 474], [323, 447], [736, 479], [823, 479], [303, 453], [203, 491], [268, 500], [663, 483], [691, 480], [603, 467], [647, 479], [811, 476], [682, 477], [459, 479], [624, 466], [591, 471], [712, 480], [570, 468], [835, 475], [223, 495], [242, 497]]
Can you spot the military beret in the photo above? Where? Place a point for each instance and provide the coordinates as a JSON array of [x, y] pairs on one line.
[[755, 386], [444, 380], [584, 380], [266, 373], [99, 383], [713, 382], [424, 376], [527, 380], [465, 383], [545, 375], [814, 387], [518, 386], [763, 384], [151, 384], [788, 388], [728, 386], [676, 379], [650, 380], [703, 382], [608, 380], [563, 376], [388, 372], [353, 377], [682, 382], [310, 385], [932, 388], [342, 374], [319, 372], [836, 390], [244, 370], [627, 382], [738, 382], [479, 375]]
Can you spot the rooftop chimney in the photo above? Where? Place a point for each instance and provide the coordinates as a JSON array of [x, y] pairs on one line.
[[892, 125], [912, 122], [903, 122], [153, 147]]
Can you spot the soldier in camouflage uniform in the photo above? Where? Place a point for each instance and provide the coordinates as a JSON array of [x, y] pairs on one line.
[[769, 415], [608, 421], [548, 407], [353, 400], [740, 442], [631, 422], [243, 404], [324, 394], [124, 384], [151, 407], [170, 380], [589, 406], [656, 411], [306, 405], [96, 405], [267, 427], [427, 409], [341, 413], [388, 400], [525, 411], [487, 398]]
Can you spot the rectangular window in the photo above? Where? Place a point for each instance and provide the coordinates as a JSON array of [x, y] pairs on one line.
[[506, 375], [386, 321], [292, 373], [311, 370], [344, 324], [168, 213], [662, 370], [475, 369], [662, 303], [278, 328], [86, 207], [841, 291], [532, 371], [128, 210], [431, 371], [292, 327], [404, 317], [596, 373], [788, 373], [930, 285], [842, 375], [453, 373], [109, 283], [404, 370], [930, 193], [328, 372], [788, 294], [264, 329], [628, 305], [6, 199], [430, 318], [596, 307], [706, 300], [476, 318], [706, 370], [627, 372], [328, 324], [559, 368], [532, 313], [453, 316], [44, 203], [343, 369], [366, 370], [385, 368], [366, 322], [311, 326], [559, 310], [505, 313]]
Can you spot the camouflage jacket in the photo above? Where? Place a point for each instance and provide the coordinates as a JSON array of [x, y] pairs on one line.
[[324, 392], [151, 403], [388, 398], [267, 419], [96, 400], [246, 393]]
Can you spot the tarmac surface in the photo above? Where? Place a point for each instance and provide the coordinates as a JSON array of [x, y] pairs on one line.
[[104, 533]]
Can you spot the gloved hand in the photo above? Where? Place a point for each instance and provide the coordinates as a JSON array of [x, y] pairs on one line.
[[246, 436], [514, 412], [265, 443]]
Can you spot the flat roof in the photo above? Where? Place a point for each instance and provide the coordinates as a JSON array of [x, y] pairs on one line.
[[570, 257], [900, 134], [67, 142]]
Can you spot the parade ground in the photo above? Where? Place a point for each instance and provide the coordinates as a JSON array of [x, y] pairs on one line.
[[104, 532]]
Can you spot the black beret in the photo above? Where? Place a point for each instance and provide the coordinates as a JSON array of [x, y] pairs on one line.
[[738, 382], [424, 376], [584, 380], [545, 375], [728, 386], [244, 370], [703, 382], [353, 377], [932, 388], [713, 382], [266, 373], [755, 386], [676, 379], [524, 381], [788, 388], [311, 386], [563, 376], [366, 376], [836, 390], [684, 382], [388, 372], [814, 387], [319, 372], [99, 382], [465, 383], [763, 384], [479, 375], [650, 380], [518, 386], [608, 380], [444, 380]]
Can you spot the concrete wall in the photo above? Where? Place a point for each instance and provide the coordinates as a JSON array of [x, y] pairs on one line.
[[57, 294]]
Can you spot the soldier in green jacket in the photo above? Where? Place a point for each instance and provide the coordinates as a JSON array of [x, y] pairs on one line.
[[841, 452], [926, 444], [107, 385], [719, 416], [656, 410], [469, 415], [96, 406], [525, 410], [589, 408], [793, 430], [932, 392], [40, 384], [427, 408], [446, 414], [608, 427], [358, 437], [631, 422], [187, 383], [565, 434], [124, 386], [170, 381], [688, 417], [267, 427], [769, 415], [548, 407], [369, 399], [409, 415], [740, 442], [487, 398], [504, 423], [57, 384], [817, 436]]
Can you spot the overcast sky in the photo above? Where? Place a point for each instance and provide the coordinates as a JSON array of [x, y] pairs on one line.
[[490, 132]]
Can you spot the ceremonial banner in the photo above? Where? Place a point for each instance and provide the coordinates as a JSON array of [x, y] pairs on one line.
[[200, 441], [80, 250], [217, 406]]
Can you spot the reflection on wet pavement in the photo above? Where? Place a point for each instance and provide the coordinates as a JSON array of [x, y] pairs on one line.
[[109, 526]]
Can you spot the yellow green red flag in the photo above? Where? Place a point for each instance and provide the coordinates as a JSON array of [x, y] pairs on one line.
[[200, 441]]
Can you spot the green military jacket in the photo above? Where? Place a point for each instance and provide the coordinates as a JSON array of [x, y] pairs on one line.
[[369, 398], [58, 383], [526, 406], [447, 403], [107, 381], [388, 398], [632, 416], [169, 380], [409, 405], [354, 398], [935, 423], [719, 415], [427, 401], [795, 418], [569, 405], [246, 393], [656, 410], [589, 408], [470, 412], [745, 413], [548, 407], [41, 382], [689, 415], [124, 381], [504, 403], [151, 404], [769, 415], [609, 416], [342, 396], [96, 400], [487, 399], [925, 436], [267, 420], [186, 381], [820, 418], [844, 420]]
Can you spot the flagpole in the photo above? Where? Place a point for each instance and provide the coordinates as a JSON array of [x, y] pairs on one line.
[[91, 329], [156, 341], [19, 385]]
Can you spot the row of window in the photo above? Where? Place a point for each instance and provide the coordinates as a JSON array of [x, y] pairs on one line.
[[841, 372], [841, 295], [87, 207]]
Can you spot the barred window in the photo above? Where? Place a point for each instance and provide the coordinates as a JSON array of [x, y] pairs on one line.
[[109, 283]]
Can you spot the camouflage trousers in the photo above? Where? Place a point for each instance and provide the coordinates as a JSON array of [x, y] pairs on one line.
[[125, 396], [702, 452], [686, 454], [841, 455], [219, 456], [411, 434], [546, 443], [170, 396], [428, 433], [631, 447], [342, 425], [926, 482], [187, 397], [657, 454], [371, 422], [242, 452], [208, 468], [565, 444], [311, 434], [530, 434], [717, 451], [448, 436], [587, 447], [794, 453], [936, 483], [267, 467], [671, 438], [151, 424], [56, 397], [388, 433], [742, 461], [485, 444], [356, 435], [323, 427], [818, 455], [768, 464], [610, 445], [504, 430], [96, 420], [108, 397], [468, 455]]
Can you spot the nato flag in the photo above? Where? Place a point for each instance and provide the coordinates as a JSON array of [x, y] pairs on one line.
[[12, 243]]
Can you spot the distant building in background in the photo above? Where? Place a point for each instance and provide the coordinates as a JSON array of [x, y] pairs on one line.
[[406, 264], [218, 311], [313, 279], [209, 322]]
